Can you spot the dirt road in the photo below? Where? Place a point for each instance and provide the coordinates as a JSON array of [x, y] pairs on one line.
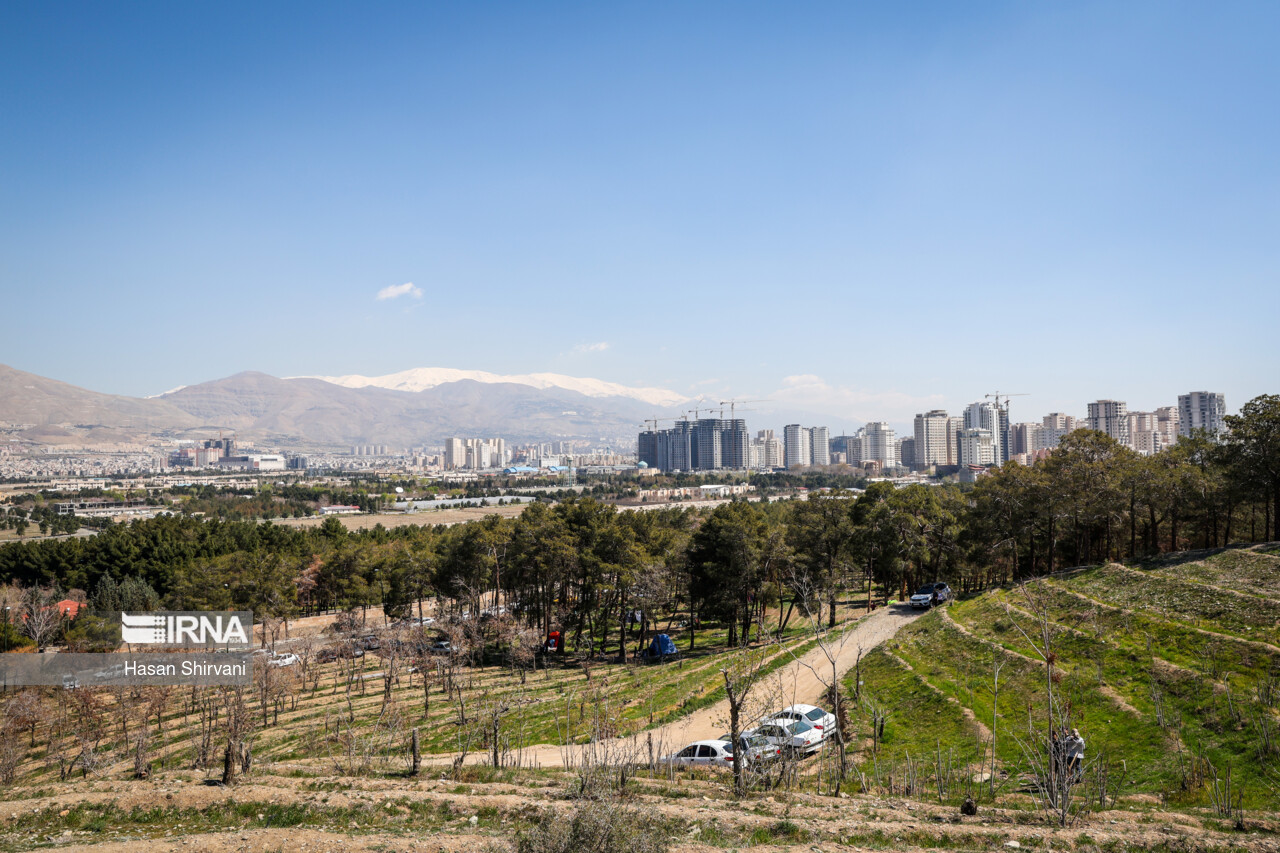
[[802, 680]]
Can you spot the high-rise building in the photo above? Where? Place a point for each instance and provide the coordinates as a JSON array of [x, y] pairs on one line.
[[795, 439], [819, 446], [1111, 417], [1053, 427], [995, 420], [977, 447], [473, 453], [455, 453], [707, 444], [1144, 433], [907, 452], [647, 448], [1025, 438], [1167, 422], [932, 440], [767, 451], [735, 444], [675, 453], [955, 425], [850, 446], [1204, 410], [880, 445]]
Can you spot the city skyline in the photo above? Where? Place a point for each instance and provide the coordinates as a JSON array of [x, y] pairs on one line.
[[569, 190], [1198, 409]]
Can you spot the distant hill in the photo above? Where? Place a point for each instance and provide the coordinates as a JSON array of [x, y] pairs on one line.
[[26, 398], [310, 412], [424, 378]]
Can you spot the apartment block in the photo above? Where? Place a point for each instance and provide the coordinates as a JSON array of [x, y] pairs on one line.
[[1205, 410]]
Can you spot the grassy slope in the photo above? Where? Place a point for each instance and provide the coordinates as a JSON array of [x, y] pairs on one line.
[[1117, 666]]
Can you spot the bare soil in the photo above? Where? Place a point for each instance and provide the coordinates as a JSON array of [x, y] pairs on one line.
[[691, 805]]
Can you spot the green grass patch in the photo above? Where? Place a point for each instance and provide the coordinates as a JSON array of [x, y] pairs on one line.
[[1198, 604]]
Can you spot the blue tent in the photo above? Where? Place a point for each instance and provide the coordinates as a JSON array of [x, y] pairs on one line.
[[661, 645]]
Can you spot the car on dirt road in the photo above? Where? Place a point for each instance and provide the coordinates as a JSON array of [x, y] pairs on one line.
[[757, 748], [821, 720], [795, 737], [931, 595], [702, 753]]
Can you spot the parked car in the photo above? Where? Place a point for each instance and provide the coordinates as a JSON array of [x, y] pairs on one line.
[[443, 647], [756, 747], [931, 594], [283, 660], [110, 673], [703, 753], [342, 652], [811, 714], [794, 736]]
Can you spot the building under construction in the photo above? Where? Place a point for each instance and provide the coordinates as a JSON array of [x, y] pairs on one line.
[[706, 444]]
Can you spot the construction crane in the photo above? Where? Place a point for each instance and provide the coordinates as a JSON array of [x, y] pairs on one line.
[[656, 421], [998, 396], [733, 404]]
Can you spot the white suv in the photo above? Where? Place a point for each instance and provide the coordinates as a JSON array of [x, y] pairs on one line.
[[931, 594]]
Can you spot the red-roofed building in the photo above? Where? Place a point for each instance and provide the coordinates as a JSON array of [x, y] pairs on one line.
[[68, 608]]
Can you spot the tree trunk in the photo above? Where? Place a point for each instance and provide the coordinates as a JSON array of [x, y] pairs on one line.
[[1133, 522], [228, 766], [417, 757]]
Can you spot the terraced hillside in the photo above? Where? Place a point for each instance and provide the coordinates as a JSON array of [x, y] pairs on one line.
[[343, 715], [1171, 671]]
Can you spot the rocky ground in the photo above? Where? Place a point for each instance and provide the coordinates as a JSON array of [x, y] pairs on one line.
[[696, 811]]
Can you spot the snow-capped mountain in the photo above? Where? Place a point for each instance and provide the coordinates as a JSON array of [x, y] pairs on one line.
[[423, 378]]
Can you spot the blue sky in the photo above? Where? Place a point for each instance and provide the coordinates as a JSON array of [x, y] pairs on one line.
[[860, 209]]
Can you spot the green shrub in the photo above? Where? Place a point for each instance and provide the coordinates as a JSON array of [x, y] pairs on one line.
[[596, 826]]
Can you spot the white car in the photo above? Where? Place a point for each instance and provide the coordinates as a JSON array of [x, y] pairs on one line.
[[283, 660], [930, 595], [813, 715], [703, 753], [795, 736], [756, 747]]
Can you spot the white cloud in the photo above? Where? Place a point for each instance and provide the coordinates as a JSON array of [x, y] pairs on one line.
[[395, 291], [814, 393], [596, 347]]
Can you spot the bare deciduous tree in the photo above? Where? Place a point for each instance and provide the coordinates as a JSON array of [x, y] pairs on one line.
[[39, 617]]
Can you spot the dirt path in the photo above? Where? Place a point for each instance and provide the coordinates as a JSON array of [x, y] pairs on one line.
[[803, 680]]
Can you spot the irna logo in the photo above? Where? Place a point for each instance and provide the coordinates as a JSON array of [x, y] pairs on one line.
[[186, 629]]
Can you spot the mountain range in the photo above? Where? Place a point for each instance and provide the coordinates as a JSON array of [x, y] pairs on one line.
[[414, 407], [425, 378]]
